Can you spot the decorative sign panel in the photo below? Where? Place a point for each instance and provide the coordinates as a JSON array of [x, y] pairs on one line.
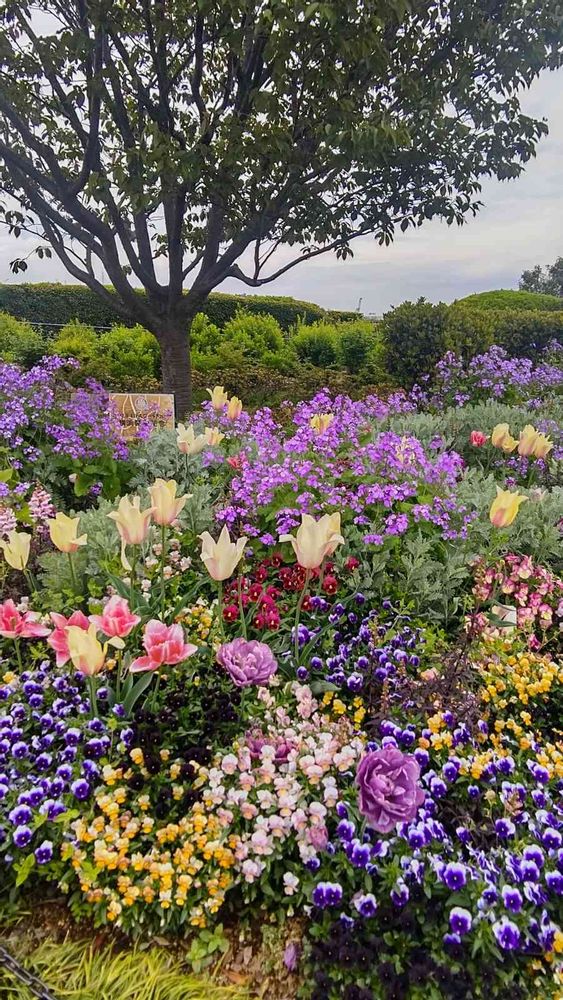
[[135, 408]]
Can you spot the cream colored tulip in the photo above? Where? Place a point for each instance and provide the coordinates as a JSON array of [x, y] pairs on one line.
[[502, 438], [213, 436], [320, 422], [16, 549], [527, 441], [218, 397], [314, 540], [505, 507], [166, 505], [132, 523], [86, 651], [542, 446], [64, 533], [189, 443], [221, 557], [234, 408]]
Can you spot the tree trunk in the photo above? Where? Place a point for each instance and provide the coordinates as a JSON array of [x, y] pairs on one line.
[[174, 339]]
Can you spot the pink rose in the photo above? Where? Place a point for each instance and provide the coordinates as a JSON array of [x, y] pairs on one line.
[[388, 790], [164, 645], [15, 625], [116, 619], [478, 439], [58, 640]]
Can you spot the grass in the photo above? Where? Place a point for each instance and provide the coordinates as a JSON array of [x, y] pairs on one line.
[[76, 970]]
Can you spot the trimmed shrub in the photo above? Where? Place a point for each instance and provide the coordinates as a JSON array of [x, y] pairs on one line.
[[51, 304], [506, 298], [130, 352], [355, 341], [525, 333], [19, 342], [415, 339], [469, 331], [316, 344]]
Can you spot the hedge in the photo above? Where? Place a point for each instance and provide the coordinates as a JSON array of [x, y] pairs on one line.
[[510, 299], [57, 304]]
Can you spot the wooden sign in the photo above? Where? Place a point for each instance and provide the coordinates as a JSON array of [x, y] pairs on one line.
[[135, 408]]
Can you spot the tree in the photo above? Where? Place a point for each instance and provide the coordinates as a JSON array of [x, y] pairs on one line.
[[183, 142], [548, 280]]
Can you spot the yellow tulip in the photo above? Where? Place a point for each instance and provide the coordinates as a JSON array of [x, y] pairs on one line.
[[64, 533], [527, 442], [314, 540], [504, 507], [221, 557], [542, 446], [320, 422], [218, 397], [86, 651], [16, 549], [502, 438], [190, 443], [132, 523], [166, 505], [213, 436], [234, 408]]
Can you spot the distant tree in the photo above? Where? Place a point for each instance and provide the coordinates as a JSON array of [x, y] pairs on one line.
[[186, 141], [548, 279]]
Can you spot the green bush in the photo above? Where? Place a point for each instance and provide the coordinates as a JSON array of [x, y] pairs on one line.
[[51, 304], [19, 342], [77, 340], [130, 352], [526, 333], [469, 331], [356, 340], [415, 339], [316, 344], [506, 298]]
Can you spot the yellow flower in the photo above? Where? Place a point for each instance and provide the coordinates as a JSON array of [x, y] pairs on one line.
[[16, 549], [234, 408], [165, 504], [527, 442], [502, 438], [86, 652], [542, 446], [504, 507], [320, 422], [64, 533], [314, 540], [223, 556], [132, 524], [218, 397], [189, 443], [213, 436]]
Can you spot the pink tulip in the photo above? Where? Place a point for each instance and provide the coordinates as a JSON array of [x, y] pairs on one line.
[[58, 640], [478, 439], [116, 620], [164, 645], [15, 625]]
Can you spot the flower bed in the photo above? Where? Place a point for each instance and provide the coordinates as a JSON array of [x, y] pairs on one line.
[[304, 673]]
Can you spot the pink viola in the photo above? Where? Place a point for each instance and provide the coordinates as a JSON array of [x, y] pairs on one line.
[[16, 624], [58, 640], [165, 645], [117, 620]]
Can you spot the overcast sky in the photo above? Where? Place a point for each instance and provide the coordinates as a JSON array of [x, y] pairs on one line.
[[520, 225]]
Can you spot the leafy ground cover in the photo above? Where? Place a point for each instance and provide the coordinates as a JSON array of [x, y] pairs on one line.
[[284, 689]]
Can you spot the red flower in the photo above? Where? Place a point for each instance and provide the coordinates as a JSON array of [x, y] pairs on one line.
[[254, 591], [352, 563], [230, 613], [330, 584]]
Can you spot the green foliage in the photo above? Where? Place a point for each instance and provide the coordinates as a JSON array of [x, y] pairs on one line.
[[245, 337], [548, 280], [130, 352], [469, 331], [415, 338], [506, 298], [316, 344], [19, 342], [526, 333], [356, 341], [53, 303]]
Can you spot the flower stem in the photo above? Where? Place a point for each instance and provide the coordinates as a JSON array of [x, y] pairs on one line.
[[162, 580], [93, 699], [241, 606], [72, 573], [18, 653], [298, 614], [220, 607], [133, 572]]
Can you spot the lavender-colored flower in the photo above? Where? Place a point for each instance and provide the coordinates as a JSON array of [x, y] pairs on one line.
[[44, 853], [22, 836], [80, 789], [507, 934], [460, 920], [512, 898], [388, 790], [327, 894], [291, 956], [455, 875], [248, 662], [366, 904], [554, 882]]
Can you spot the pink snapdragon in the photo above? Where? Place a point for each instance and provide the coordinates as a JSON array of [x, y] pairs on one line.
[[117, 619], [58, 640], [165, 646], [16, 624]]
